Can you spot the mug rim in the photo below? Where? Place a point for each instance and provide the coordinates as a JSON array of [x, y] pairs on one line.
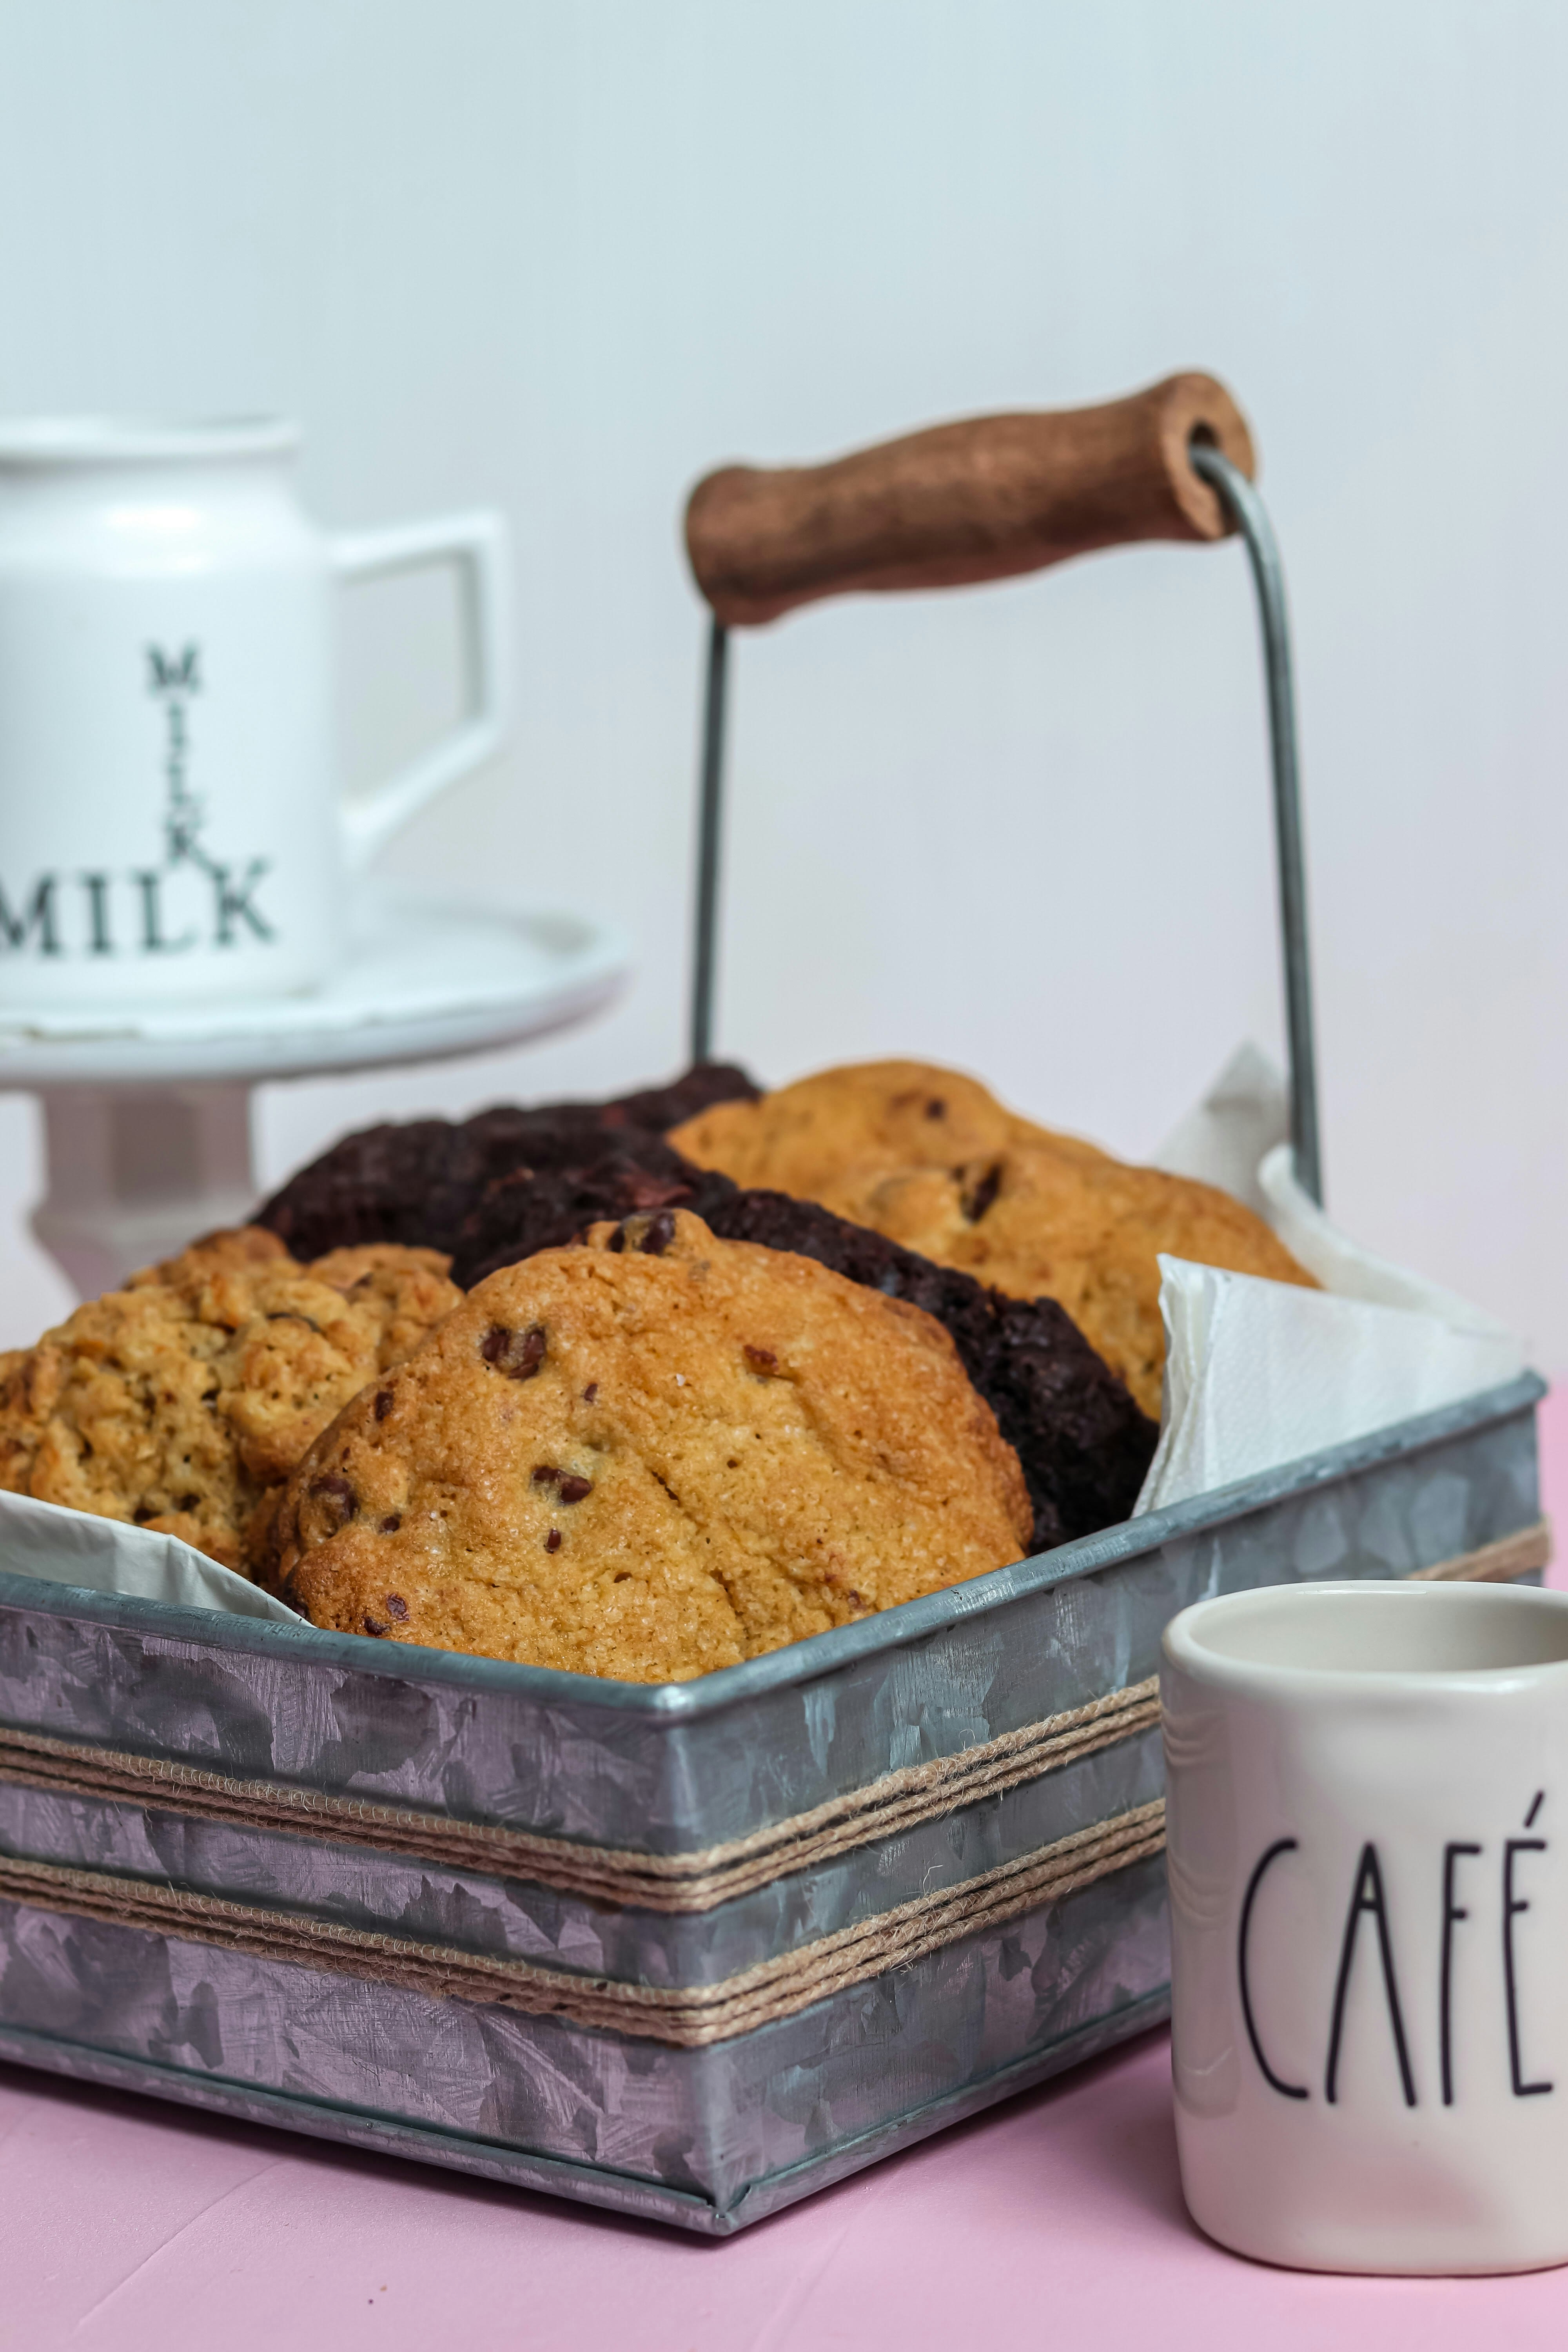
[[1182, 1647], [51, 440]]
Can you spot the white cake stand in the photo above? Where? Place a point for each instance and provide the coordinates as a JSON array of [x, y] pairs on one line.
[[147, 1113]]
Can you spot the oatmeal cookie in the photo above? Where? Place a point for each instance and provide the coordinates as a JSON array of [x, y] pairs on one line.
[[402, 1291], [179, 1401], [235, 1249], [650, 1455]]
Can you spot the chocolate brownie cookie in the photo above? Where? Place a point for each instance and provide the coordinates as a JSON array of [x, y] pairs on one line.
[[418, 1182], [180, 1402], [572, 1181], [650, 1455], [657, 1110]]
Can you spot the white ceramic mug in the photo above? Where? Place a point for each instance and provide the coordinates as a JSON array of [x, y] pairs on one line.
[[173, 828], [1368, 1822]]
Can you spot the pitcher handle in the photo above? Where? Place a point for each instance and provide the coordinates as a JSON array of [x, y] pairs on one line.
[[480, 544]]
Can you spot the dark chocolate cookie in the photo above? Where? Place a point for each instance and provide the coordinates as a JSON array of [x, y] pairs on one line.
[[573, 1180], [418, 1182], [699, 1088]]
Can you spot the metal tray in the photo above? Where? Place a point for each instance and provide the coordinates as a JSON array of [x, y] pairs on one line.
[[713, 2136]]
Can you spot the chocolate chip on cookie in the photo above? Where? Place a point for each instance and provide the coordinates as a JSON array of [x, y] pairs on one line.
[[517, 1354]]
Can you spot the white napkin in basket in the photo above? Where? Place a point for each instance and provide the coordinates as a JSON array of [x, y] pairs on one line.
[[1260, 1373], [106, 1556]]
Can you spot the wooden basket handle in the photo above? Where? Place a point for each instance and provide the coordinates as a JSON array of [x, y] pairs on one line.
[[981, 500]]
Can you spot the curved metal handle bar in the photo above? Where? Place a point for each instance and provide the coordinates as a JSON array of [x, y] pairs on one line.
[[1251, 517], [1243, 502], [710, 812]]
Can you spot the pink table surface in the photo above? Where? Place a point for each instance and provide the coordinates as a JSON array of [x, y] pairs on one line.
[[1057, 2217]]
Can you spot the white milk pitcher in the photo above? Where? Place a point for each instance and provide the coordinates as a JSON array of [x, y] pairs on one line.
[[173, 828]]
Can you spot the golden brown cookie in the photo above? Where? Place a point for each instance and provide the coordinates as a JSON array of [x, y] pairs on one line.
[[1037, 1223], [935, 1163], [648, 1456], [846, 1123], [179, 1400]]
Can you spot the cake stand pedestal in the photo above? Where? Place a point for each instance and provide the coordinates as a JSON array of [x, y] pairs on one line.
[[147, 1115]]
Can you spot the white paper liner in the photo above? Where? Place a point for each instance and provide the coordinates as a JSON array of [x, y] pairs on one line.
[[106, 1556], [1225, 1138], [1261, 1373]]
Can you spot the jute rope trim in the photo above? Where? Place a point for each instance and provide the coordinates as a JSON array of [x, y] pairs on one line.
[[688, 1883], [1495, 1563], [688, 2017], [678, 1881]]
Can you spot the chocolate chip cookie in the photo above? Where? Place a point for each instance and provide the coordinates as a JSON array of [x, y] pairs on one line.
[[649, 1456], [1035, 1223], [819, 1138], [931, 1159], [1083, 1442], [183, 1400]]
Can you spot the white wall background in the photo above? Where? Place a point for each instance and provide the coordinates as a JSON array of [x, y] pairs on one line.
[[565, 255]]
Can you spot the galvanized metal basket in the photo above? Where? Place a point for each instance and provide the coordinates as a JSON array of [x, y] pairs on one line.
[[689, 1951]]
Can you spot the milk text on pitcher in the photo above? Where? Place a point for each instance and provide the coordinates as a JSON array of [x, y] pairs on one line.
[[189, 898]]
